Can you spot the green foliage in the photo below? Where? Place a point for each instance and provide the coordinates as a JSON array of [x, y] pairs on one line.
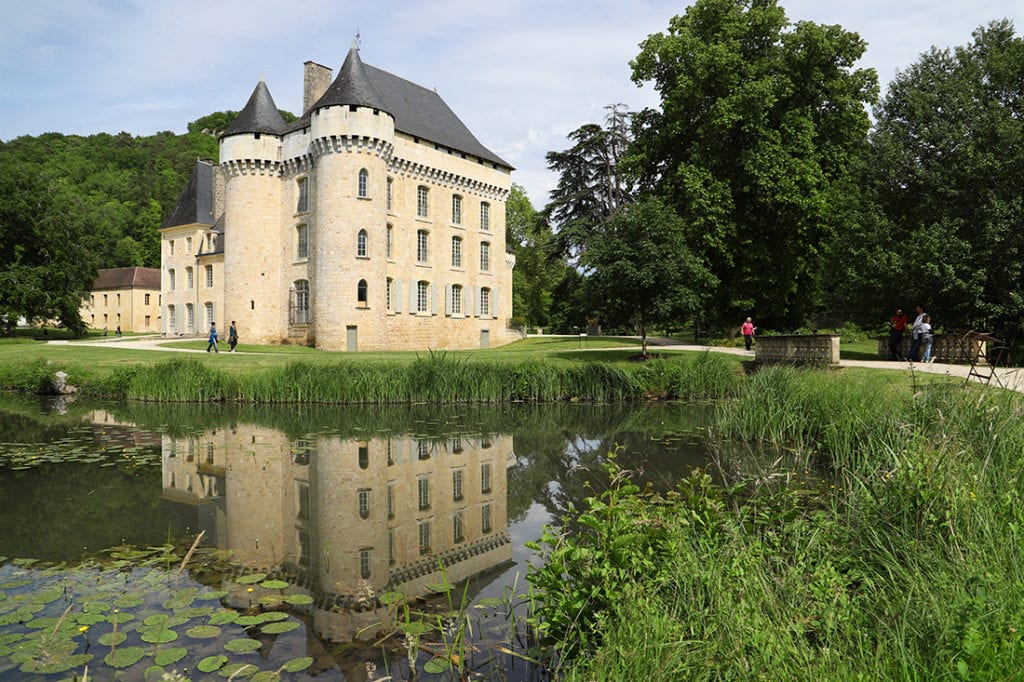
[[759, 122]]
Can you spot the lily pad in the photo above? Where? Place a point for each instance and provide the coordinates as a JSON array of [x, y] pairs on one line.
[[274, 584], [58, 665], [437, 665], [297, 599], [279, 627], [113, 639], [252, 579], [223, 617], [416, 627], [125, 657], [267, 676], [203, 632], [159, 636], [209, 596], [212, 663], [237, 671], [297, 665], [169, 656], [243, 646]]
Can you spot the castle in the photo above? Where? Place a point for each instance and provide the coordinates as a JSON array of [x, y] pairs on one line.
[[376, 221]]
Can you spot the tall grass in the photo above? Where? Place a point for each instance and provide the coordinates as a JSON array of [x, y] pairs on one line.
[[909, 568]]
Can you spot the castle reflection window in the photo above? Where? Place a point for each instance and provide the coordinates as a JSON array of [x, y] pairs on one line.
[[302, 493], [424, 537], [364, 564], [364, 504], [457, 484], [485, 519], [391, 501], [485, 478], [458, 528], [423, 493]]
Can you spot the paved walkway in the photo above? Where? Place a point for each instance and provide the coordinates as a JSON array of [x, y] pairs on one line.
[[1011, 377]]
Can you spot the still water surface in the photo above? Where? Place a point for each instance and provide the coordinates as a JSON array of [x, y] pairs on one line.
[[345, 508]]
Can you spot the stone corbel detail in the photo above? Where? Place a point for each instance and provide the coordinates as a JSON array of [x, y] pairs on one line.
[[254, 167]]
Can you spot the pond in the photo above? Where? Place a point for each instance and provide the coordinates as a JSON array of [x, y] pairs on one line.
[[333, 543]]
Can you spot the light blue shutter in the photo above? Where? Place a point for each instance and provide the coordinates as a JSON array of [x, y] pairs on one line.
[[412, 296], [448, 299], [396, 295], [433, 298]]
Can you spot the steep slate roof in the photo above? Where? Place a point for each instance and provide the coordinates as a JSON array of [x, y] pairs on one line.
[[195, 203], [260, 115], [418, 111], [124, 278]]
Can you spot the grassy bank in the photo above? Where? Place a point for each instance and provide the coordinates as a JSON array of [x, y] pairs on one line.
[[541, 370], [908, 568]]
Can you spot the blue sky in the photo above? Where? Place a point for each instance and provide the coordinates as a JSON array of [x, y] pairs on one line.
[[520, 73]]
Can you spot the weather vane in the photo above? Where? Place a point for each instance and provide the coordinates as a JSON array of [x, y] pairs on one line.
[[356, 43]]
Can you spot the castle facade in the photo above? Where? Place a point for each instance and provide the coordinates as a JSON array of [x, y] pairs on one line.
[[376, 221]]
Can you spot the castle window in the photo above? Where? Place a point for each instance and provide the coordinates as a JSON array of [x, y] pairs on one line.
[[172, 321], [423, 493], [456, 299], [456, 252], [208, 311], [485, 216], [301, 242], [422, 205], [485, 302], [364, 181], [458, 528], [457, 485], [189, 279], [188, 245], [456, 209], [299, 309], [485, 256], [389, 194], [425, 537], [391, 501], [485, 518], [422, 289], [303, 190], [147, 299], [389, 236], [364, 564], [389, 303], [361, 292], [361, 244], [190, 318], [364, 504], [209, 277], [485, 477], [421, 246], [364, 455], [172, 246], [104, 300], [170, 279]]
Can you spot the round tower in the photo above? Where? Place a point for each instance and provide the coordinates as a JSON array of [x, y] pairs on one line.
[[250, 159], [351, 138]]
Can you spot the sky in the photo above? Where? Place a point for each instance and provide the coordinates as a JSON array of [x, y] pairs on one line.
[[521, 74]]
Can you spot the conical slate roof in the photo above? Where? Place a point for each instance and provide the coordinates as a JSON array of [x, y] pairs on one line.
[[352, 86], [260, 115], [195, 203]]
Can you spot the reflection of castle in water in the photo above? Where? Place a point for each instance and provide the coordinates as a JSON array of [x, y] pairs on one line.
[[344, 514]]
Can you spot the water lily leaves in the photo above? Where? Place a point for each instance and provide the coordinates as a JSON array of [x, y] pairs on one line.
[[274, 584], [267, 676], [297, 599], [128, 601], [238, 670], [113, 639], [279, 627], [440, 588], [203, 632], [91, 619], [271, 601], [50, 595], [243, 646], [251, 579], [437, 665], [416, 627], [125, 657], [211, 595], [159, 636], [297, 665], [95, 607], [194, 612], [169, 656], [212, 663], [270, 616], [61, 664], [181, 598], [164, 620], [223, 617]]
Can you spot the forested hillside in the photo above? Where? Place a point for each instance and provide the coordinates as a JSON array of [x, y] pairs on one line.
[[70, 205]]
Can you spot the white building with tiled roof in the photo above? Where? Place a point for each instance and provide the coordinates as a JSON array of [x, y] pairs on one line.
[[376, 221], [128, 298]]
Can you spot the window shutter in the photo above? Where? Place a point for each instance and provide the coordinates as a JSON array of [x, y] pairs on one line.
[[448, 299], [412, 297], [470, 301], [396, 294], [480, 301], [433, 298], [494, 303]]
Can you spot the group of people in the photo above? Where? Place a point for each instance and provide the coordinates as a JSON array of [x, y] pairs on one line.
[[921, 336], [232, 338]]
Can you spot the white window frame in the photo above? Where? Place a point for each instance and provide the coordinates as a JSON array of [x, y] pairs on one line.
[[422, 246], [209, 276], [456, 209], [456, 252], [485, 256], [302, 241], [485, 216], [422, 296], [422, 201], [364, 184], [362, 241], [484, 304], [302, 202]]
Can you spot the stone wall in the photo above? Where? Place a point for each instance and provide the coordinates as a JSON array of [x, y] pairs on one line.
[[802, 349]]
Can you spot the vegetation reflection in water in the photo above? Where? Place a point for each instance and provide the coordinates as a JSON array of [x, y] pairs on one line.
[[361, 541]]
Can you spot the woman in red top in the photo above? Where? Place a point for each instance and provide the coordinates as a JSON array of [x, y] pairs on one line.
[[748, 332], [897, 328]]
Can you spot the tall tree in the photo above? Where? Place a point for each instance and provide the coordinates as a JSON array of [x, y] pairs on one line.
[[642, 270], [758, 123], [537, 271], [945, 173]]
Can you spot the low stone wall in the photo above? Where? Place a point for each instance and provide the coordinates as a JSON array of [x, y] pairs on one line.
[[798, 349], [945, 348]]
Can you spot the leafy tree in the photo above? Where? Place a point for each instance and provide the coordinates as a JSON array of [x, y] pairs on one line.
[[591, 186], [947, 156], [759, 122], [643, 269], [537, 270]]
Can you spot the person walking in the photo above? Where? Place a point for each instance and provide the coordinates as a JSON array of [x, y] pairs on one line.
[[915, 333], [232, 337], [213, 338], [897, 328], [747, 329], [927, 336]]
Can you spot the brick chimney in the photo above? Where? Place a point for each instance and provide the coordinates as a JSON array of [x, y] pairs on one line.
[[316, 79]]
